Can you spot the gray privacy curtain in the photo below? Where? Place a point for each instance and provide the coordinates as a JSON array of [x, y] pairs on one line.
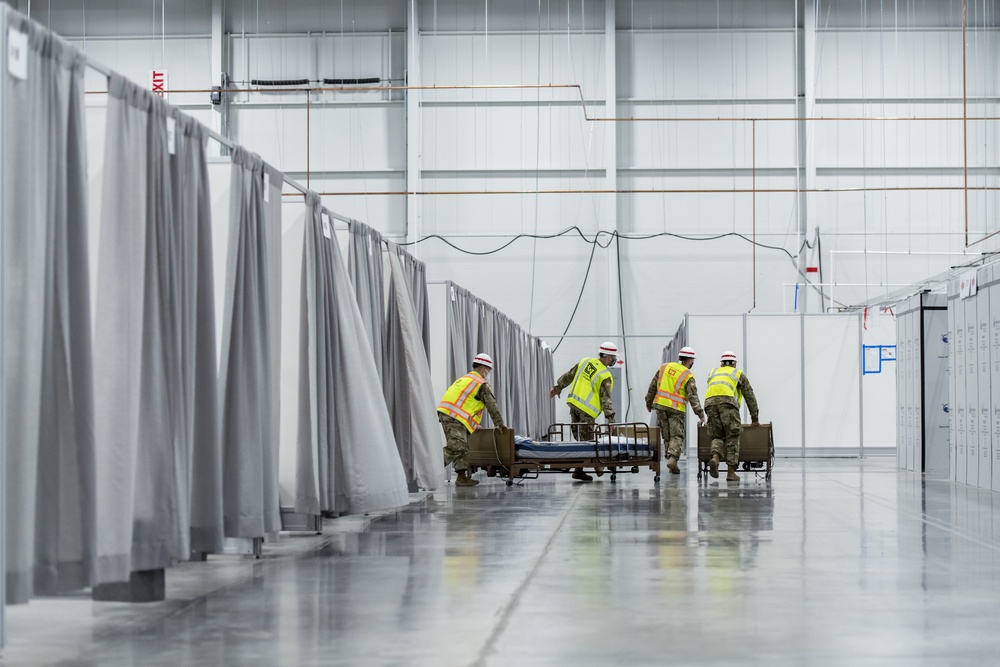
[[522, 364], [156, 414], [50, 483], [347, 460], [399, 333], [408, 390], [367, 275], [415, 273], [247, 380]]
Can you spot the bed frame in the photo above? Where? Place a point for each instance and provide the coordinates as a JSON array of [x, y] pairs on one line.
[[493, 451], [756, 449]]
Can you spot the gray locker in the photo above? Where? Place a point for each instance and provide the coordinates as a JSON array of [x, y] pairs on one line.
[[952, 372], [972, 390], [934, 376], [902, 324], [994, 294], [984, 376], [959, 414], [923, 385]]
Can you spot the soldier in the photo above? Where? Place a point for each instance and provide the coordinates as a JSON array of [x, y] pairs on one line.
[[591, 394], [460, 413], [671, 390], [726, 386]]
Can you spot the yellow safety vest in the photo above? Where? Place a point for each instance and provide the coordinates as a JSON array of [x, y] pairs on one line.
[[461, 403], [672, 389], [586, 392], [724, 381]]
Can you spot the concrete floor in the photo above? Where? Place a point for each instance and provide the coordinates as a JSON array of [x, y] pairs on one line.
[[835, 562]]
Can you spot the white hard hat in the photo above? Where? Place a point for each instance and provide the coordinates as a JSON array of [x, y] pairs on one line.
[[686, 352], [729, 356], [483, 359], [609, 348]]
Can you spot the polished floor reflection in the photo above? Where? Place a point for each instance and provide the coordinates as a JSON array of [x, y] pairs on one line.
[[833, 562]]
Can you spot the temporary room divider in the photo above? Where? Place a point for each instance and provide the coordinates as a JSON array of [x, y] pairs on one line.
[[250, 343], [523, 371], [49, 434], [346, 459], [399, 333], [155, 376], [407, 381]]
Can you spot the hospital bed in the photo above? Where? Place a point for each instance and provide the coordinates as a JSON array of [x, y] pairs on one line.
[[756, 449], [616, 448]]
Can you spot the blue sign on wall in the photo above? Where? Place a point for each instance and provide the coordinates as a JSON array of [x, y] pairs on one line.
[[873, 356]]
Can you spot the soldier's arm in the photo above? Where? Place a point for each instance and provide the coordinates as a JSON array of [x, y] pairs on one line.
[[749, 397], [487, 397], [651, 392], [564, 380], [606, 404], [693, 400]]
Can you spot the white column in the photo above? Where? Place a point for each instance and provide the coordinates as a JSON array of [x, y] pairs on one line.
[[413, 134], [219, 64], [3, 327], [608, 221], [807, 154]]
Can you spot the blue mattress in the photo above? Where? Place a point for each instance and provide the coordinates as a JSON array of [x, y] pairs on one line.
[[526, 448]]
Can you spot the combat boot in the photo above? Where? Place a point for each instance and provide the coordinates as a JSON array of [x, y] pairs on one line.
[[463, 479], [582, 476], [672, 465], [731, 476], [713, 466]]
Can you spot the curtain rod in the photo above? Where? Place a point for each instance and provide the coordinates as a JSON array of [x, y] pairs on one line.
[[228, 143]]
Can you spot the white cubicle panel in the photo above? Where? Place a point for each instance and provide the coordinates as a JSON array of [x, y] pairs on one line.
[[710, 336], [833, 372], [774, 366]]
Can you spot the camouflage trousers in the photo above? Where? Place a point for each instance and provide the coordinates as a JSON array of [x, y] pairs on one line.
[[725, 427], [673, 426], [583, 428], [456, 445]]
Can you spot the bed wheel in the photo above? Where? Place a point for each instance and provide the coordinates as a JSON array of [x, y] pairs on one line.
[[614, 478], [635, 469], [746, 466], [656, 480], [510, 482]]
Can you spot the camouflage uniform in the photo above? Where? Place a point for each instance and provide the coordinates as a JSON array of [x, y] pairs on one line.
[[673, 423], [583, 424], [724, 424], [456, 446]]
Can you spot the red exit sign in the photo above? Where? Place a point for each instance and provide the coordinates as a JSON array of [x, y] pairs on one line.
[[158, 82]]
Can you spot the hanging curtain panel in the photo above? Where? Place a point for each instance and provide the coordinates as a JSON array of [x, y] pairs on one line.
[[523, 372], [347, 455], [199, 464], [154, 297], [50, 486], [414, 404], [415, 273], [246, 373], [367, 275]]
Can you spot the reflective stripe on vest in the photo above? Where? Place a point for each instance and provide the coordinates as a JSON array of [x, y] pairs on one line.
[[460, 401], [586, 392], [671, 392], [725, 381]]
